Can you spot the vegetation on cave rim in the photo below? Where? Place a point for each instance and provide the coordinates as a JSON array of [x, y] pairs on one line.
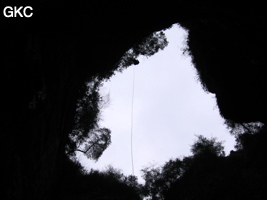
[[86, 136], [209, 174], [44, 66], [205, 174]]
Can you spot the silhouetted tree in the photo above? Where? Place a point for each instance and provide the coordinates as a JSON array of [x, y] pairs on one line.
[[114, 184], [241, 128], [152, 185], [151, 45], [96, 143], [161, 182], [86, 136], [76, 183], [204, 146], [158, 180]]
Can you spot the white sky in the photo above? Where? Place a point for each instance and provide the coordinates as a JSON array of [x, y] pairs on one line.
[[170, 108]]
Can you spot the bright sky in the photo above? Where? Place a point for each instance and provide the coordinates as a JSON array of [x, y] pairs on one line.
[[170, 108]]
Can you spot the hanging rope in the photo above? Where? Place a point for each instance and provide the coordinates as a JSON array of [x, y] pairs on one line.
[[132, 124]]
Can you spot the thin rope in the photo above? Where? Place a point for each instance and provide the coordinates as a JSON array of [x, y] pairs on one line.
[[132, 124]]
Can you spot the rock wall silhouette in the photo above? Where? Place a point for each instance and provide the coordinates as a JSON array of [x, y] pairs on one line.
[[47, 58]]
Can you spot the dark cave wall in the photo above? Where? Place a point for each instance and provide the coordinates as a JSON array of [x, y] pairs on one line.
[[38, 113], [47, 58], [228, 50], [44, 63]]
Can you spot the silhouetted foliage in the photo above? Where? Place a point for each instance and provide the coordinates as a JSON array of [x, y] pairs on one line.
[[204, 146], [208, 174], [96, 143], [108, 184], [151, 45], [152, 185], [130, 181], [47, 60], [159, 181], [86, 136], [241, 128]]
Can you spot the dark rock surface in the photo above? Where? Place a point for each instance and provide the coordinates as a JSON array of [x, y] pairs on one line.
[[46, 59]]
